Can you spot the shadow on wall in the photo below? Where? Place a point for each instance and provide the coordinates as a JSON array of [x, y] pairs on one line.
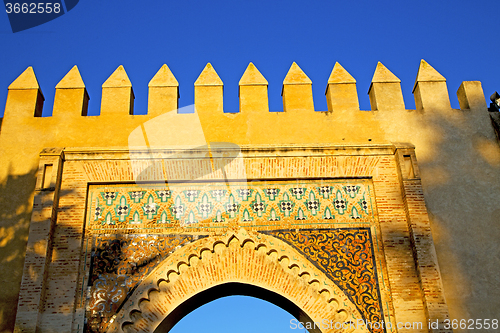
[[16, 193], [15, 216], [459, 173]]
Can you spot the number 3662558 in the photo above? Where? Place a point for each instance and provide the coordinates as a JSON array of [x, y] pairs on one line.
[[471, 324], [33, 8]]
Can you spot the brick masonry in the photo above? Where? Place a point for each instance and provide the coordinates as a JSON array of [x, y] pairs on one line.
[[403, 264]]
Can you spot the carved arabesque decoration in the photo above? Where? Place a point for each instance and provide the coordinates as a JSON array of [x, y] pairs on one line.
[[346, 256], [233, 257], [119, 263]]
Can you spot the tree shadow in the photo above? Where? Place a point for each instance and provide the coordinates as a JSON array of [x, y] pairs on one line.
[[461, 189], [16, 209], [15, 216]]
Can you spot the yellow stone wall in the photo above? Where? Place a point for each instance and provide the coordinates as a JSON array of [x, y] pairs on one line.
[[458, 153]]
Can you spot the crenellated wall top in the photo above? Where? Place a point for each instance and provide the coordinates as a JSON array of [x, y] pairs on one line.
[[430, 91]]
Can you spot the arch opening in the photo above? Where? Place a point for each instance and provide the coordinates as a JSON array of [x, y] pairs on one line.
[[239, 263], [234, 289]]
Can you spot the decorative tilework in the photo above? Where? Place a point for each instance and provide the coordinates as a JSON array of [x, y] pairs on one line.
[[218, 194], [247, 204], [122, 210], [109, 197], [272, 193], [340, 204], [218, 217], [191, 195], [258, 205], [136, 196], [327, 215], [205, 207], [286, 205], [298, 192], [163, 195], [346, 255], [244, 193], [150, 208], [98, 210], [325, 191], [118, 265]]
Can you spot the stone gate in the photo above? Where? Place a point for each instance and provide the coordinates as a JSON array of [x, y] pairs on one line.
[[143, 218], [321, 231]]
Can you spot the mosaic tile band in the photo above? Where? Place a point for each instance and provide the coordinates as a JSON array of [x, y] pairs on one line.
[[255, 203]]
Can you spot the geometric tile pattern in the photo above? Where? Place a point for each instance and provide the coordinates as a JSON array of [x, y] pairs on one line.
[[346, 256], [253, 203], [118, 265]]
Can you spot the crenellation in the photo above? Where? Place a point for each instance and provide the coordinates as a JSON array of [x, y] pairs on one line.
[[25, 98], [297, 91], [163, 92], [385, 90], [208, 92], [117, 94], [71, 99], [252, 91], [430, 90], [341, 93], [471, 96]]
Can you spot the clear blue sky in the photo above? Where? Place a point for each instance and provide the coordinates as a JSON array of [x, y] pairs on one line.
[[458, 38], [241, 314]]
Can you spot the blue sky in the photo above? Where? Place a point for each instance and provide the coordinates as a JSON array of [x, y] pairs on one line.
[[240, 314], [458, 38]]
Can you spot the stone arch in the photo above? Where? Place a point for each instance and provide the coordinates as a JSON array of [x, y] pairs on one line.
[[258, 261], [230, 289]]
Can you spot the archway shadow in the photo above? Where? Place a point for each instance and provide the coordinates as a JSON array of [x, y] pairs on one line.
[[233, 289]]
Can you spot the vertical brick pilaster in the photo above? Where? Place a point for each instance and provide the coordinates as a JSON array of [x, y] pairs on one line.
[[424, 252], [39, 247], [403, 278], [63, 307]]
